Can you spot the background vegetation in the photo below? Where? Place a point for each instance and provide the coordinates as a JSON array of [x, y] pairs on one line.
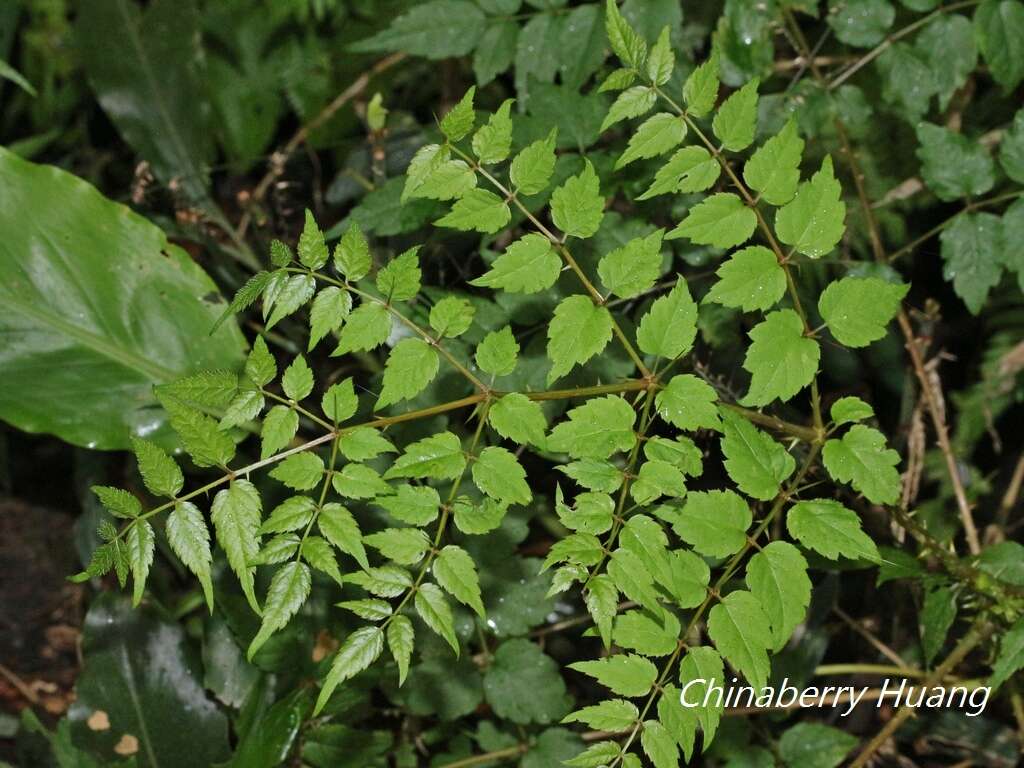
[[219, 123]]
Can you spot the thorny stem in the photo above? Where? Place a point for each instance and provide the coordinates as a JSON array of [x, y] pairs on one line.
[[560, 246], [781, 257]]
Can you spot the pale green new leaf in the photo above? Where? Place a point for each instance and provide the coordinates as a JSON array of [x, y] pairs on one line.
[[741, 632], [721, 220], [847, 410], [452, 316], [634, 268], [596, 429], [736, 120], [646, 634], [340, 528], [479, 210], [288, 591], [750, 279], [518, 418], [703, 663], [411, 366], [439, 456], [328, 311], [297, 380], [358, 481], [579, 330], [577, 207], [203, 441], [659, 745], [406, 546], [300, 471], [531, 169], [312, 249], [412, 504], [364, 443], [714, 523], [399, 279], [340, 402], [688, 403], [690, 169], [244, 408], [118, 502], [290, 515], [279, 427], [367, 327], [830, 529], [260, 366], [528, 265], [700, 91], [499, 474], [625, 674], [456, 573], [777, 577], [862, 459], [755, 462], [625, 42], [781, 359], [670, 326], [655, 136], [857, 309], [352, 254], [614, 715], [459, 121], [602, 601], [498, 352], [632, 102], [590, 513], [360, 650], [774, 169], [662, 60], [236, 521], [493, 140], [295, 291], [813, 222]]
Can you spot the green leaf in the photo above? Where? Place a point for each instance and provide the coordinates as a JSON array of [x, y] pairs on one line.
[[340, 528], [118, 502], [359, 651], [290, 515], [236, 521], [498, 352], [688, 578], [670, 325], [642, 632], [245, 407], [207, 389], [411, 366], [594, 474], [614, 715], [862, 459], [681, 452], [190, 541], [579, 330], [1010, 657], [371, 609], [7, 72], [245, 296], [433, 608], [288, 591], [952, 165], [300, 471], [690, 169], [1011, 149], [105, 298], [781, 359], [528, 265], [367, 327], [293, 293], [364, 443], [399, 279], [602, 600], [279, 549], [452, 316], [655, 136], [279, 427], [634, 268], [387, 581], [936, 617], [358, 481], [352, 254], [479, 210], [340, 402], [777, 577], [741, 632], [700, 91], [679, 722], [736, 120], [523, 684], [297, 380], [703, 663], [815, 745], [750, 279], [459, 121], [531, 169], [862, 24], [406, 546], [847, 410], [633, 577], [662, 59], [617, 80], [493, 141], [577, 548], [498, 473], [415, 505], [518, 418], [312, 249], [260, 366], [202, 440], [755, 462], [139, 542], [590, 513], [857, 310], [401, 638], [439, 456], [318, 553], [688, 403], [328, 311], [813, 222], [433, 175], [625, 674], [830, 529], [596, 429], [456, 573], [721, 220], [477, 517], [602, 753], [714, 523], [774, 170], [971, 247], [659, 745], [577, 207], [439, 29], [999, 30], [625, 42]]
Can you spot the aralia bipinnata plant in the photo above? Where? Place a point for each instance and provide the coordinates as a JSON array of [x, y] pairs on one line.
[[687, 512]]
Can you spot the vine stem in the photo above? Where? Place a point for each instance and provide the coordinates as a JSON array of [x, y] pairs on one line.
[[782, 258], [727, 574], [978, 632], [561, 247]]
